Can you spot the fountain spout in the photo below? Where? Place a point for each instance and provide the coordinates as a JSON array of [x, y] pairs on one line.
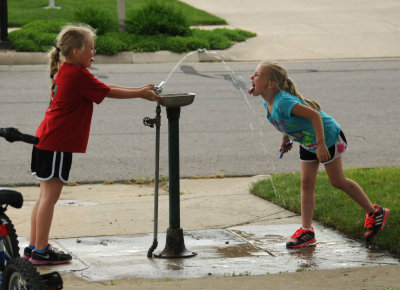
[[158, 89]]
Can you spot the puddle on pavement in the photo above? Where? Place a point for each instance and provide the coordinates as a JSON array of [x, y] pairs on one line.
[[237, 251], [242, 250]]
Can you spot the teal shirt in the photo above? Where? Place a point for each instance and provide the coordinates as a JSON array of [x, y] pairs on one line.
[[300, 129]]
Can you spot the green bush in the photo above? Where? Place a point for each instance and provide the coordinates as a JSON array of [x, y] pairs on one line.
[[237, 35], [193, 43], [144, 43], [219, 42], [126, 39], [24, 44], [157, 18], [113, 42], [108, 44], [216, 38], [97, 18], [21, 12], [36, 36], [41, 35], [50, 26], [182, 44]]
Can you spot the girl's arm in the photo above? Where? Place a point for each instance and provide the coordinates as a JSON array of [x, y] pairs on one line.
[[129, 88], [316, 121], [145, 92]]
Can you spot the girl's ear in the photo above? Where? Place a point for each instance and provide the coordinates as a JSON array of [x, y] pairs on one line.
[[76, 52], [271, 84]]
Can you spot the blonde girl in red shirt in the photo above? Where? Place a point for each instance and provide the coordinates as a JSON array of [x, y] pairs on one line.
[[65, 130]]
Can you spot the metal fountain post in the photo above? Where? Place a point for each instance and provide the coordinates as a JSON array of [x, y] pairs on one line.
[[175, 244], [157, 122]]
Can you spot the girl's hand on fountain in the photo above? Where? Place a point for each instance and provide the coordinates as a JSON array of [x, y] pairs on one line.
[[150, 94], [148, 87]]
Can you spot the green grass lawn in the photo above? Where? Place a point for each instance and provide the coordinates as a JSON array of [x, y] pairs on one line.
[[21, 12], [150, 25], [335, 209]]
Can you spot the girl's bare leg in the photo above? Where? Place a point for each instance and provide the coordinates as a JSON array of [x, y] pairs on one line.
[[309, 171], [32, 239], [350, 187], [42, 212]]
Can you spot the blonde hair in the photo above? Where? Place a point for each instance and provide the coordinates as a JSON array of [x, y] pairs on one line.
[[70, 37], [278, 74]]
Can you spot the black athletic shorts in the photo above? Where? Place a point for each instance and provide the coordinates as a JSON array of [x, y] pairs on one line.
[[49, 164], [335, 151]]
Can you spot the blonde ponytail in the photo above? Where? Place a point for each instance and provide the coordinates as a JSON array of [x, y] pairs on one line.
[[54, 56], [279, 75]]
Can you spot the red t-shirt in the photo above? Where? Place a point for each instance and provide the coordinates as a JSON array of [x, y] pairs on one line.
[[66, 124]]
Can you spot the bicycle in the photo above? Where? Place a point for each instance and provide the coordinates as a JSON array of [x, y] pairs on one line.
[[16, 272]]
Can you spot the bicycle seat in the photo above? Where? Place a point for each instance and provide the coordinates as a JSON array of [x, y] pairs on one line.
[[11, 197]]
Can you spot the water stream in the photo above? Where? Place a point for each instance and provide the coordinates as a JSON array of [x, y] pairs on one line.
[[236, 79], [179, 62]]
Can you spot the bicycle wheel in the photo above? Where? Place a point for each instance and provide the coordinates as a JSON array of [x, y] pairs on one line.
[[11, 244], [21, 274]]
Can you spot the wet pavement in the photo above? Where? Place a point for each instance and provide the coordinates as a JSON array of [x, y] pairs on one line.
[[235, 251], [108, 230]]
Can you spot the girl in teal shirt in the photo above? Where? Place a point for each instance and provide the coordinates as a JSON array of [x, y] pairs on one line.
[[321, 141]]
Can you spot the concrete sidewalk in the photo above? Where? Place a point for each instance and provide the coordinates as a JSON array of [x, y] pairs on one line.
[[286, 30], [310, 30], [108, 230]]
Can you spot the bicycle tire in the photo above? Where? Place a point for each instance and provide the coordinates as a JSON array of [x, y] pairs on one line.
[[21, 274], [11, 243]]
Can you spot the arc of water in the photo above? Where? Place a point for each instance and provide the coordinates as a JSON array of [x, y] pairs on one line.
[[243, 94], [251, 109], [176, 66]]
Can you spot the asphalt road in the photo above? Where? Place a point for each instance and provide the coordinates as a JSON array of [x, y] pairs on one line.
[[224, 131]]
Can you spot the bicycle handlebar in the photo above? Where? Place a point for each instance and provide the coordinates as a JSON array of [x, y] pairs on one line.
[[12, 134]]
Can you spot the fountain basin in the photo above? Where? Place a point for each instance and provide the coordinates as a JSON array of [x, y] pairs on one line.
[[177, 100]]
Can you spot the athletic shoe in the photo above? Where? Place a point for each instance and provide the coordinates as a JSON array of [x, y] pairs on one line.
[[375, 222], [27, 253], [301, 238], [52, 256]]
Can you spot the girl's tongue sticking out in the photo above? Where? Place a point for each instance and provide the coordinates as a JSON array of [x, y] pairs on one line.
[[251, 90]]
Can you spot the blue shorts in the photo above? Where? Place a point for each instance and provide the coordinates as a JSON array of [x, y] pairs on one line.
[[336, 150], [46, 165]]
